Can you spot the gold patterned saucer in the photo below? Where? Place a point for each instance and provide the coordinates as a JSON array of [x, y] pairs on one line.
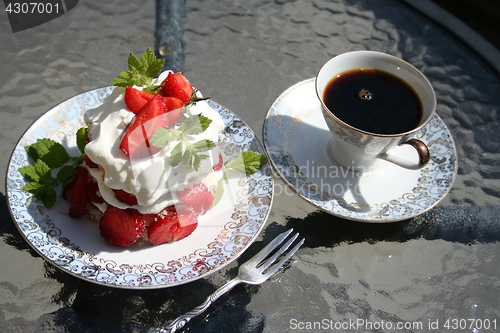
[[297, 141]]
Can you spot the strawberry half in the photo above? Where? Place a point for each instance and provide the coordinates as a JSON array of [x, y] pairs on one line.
[[198, 198], [136, 99], [135, 142], [176, 85], [122, 227], [158, 112], [125, 197], [170, 226], [75, 193]]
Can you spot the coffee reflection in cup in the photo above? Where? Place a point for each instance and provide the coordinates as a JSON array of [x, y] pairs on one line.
[[373, 102]]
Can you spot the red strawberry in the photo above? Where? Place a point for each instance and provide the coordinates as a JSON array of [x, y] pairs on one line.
[[89, 162], [157, 112], [122, 227], [125, 197], [93, 192], [135, 142], [174, 108], [171, 226], [136, 99], [199, 198], [76, 193], [176, 85]]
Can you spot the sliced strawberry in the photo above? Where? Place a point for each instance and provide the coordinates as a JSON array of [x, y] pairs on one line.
[[136, 99], [89, 162], [176, 85], [76, 193], [157, 112], [93, 192], [174, 108], [125, 197], [122, 227], [171, 226], [135, 142], [198, 198]]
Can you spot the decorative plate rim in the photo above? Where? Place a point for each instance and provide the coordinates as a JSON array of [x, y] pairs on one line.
[[335, 206], [246, 220]]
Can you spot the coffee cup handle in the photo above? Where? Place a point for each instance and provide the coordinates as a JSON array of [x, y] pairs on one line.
[[424, 155]]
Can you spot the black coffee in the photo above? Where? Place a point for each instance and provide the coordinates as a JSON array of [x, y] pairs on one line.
[[373, 101]]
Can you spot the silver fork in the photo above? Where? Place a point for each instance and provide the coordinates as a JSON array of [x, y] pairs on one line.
[[255, 271]]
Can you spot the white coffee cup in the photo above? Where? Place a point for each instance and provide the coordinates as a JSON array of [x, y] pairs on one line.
[[365, 151]]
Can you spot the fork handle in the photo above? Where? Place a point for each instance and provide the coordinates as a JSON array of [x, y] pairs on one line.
[[184, 319]]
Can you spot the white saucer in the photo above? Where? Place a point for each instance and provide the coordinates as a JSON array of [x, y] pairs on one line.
[[297, 140]]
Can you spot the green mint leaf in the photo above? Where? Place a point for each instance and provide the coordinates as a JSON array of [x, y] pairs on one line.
[[197, 124], [43, 192], [219, 192], [161, 137], [185, 153], [176, 155], [204, 122], [33, 187], [49, 151], [29, 173], [196, 160], [141, 80], [38, 172], [155, 68], [147, 57], [202, 145], [66, 174], [125, 79], [141, 70], [49, 156], [152, 66], [134, 64], [48, 196], [82, 136], [186, 159], [247, 162]]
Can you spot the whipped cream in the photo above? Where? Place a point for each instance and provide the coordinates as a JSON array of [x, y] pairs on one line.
[[152, 179]]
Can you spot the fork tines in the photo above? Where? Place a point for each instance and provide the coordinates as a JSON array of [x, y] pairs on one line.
[[263, 256]]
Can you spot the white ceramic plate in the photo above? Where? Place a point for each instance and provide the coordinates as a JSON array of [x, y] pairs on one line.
[[75, 245], [297, 139]]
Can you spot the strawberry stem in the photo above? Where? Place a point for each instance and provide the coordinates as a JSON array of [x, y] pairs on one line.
[[193, 99]]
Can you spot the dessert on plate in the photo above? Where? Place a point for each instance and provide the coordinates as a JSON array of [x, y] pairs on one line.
[[150, 164]]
